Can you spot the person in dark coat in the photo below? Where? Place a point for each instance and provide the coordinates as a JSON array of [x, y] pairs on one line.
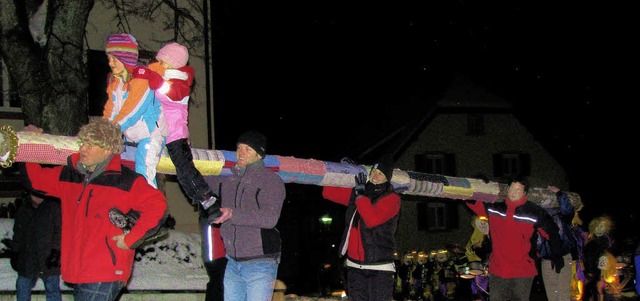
[[36, 246], [368, 240], [213, 256]]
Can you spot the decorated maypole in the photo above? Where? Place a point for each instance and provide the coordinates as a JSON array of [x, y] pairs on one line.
[[53, 149]]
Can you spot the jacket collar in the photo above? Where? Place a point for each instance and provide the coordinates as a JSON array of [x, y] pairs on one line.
[[253, 166]]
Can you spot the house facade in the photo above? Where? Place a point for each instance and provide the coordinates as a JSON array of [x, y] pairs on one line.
[[471, 134]]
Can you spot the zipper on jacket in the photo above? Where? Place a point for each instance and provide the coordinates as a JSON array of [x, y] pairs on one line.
[[256, 197], [235, 202], [111, 253], [86, 208], [85, 183]]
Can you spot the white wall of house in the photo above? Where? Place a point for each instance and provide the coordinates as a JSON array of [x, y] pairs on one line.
[[473, 156]]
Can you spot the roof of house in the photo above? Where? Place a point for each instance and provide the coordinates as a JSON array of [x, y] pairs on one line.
[[460, 96]]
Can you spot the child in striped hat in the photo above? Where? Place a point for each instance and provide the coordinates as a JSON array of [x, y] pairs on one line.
[[133, 106]]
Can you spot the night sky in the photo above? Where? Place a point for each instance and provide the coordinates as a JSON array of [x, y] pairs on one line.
[[330, 68]]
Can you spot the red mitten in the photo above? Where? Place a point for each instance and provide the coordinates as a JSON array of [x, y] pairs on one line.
[[155, 80]]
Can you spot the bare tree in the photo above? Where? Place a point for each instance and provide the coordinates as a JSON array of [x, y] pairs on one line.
[[41, 44], [184, 17]]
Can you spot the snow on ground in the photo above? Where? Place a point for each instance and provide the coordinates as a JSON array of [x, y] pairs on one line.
[[171, 263]]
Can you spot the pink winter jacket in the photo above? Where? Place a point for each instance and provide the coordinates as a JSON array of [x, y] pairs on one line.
[[174, 96]]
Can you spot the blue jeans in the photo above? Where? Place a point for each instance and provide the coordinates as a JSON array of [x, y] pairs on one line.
[[250, 280], [24, 285], [97, 291]]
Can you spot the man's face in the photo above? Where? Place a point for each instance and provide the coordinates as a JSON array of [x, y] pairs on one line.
[[443, 255], [246, 155], [516, 191], [92, 155], [602, 262], [601, 229], [408, 259], [422, 258], [377, 177], [482, 225]]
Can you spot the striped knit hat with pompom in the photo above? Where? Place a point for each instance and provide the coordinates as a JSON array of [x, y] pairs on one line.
[[124, 47]]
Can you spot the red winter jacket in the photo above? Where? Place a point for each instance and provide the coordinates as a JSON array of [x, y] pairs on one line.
[[88, 253], [372, 239], [512, 227]]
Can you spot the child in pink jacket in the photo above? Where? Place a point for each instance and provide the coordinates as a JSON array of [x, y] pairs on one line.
[[171, 79]]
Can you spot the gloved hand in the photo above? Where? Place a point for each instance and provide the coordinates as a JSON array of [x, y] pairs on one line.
[[154, 79], [53, 261], [211, 207], [558, 264], [209, 200], [213, 213], [133, 217], [361, 180]]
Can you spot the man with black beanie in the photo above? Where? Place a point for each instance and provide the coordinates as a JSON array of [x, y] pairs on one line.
[[369, 240], [251, 199]]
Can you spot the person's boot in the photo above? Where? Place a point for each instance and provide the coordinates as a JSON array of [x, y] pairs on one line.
[[211, 205]]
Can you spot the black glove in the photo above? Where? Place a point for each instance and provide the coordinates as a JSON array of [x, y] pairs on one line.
[[558, 264], [213, 213], [133, 217], [209, 200], [53, 261], [347, 160], [361, 180], [211, 207]]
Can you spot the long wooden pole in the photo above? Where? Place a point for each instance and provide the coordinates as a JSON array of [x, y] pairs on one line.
[[53, 149]]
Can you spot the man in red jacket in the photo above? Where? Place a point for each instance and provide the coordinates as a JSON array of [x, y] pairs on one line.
[[513, 225], [96, 255]]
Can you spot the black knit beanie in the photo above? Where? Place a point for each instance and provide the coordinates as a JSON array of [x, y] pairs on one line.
[[385, 165], [255, 140]]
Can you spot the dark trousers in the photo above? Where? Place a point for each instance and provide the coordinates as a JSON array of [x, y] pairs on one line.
[[215, 270], [369, 285], [189, 177]]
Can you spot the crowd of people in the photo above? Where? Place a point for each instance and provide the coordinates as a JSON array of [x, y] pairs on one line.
[[84, 219], [107, 210], [513, 243]]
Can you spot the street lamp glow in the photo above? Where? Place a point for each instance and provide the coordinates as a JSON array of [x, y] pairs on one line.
[[326, 219]]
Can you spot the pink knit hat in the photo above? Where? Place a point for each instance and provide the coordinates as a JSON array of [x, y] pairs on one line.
[[125, 48], [173, 54]]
